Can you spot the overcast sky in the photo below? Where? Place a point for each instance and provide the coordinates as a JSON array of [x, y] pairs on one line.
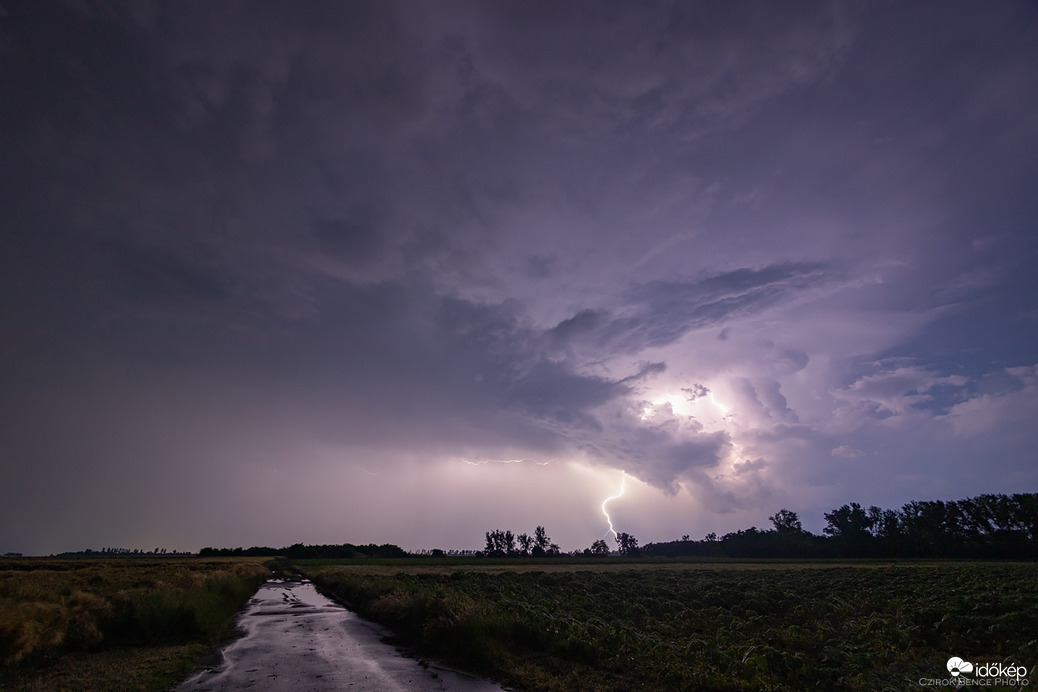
[[407, 272]]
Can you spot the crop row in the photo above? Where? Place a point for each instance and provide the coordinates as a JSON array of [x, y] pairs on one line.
[[850, 628]]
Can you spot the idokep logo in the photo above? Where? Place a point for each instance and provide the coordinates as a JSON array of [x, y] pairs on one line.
[[967, 674]]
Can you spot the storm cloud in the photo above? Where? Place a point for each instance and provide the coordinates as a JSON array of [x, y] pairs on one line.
[[272, 271]]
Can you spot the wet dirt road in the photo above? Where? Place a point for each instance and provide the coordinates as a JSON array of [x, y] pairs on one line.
[[296, 639]]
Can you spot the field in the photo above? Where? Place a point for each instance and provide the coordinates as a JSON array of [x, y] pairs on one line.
[[552, 624], [700, 626], [115, 623]]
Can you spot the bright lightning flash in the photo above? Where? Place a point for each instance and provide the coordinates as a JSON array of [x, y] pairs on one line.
[[623, 482], [715, 402], [480, 462]]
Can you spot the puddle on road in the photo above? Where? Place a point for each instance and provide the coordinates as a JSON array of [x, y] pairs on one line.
[[297, 639]]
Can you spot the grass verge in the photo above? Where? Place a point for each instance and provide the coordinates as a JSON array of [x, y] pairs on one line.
[[115, 623]]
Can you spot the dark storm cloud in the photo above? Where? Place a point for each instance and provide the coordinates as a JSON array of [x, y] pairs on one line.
[[659, 457], [549, 389], [513, 364], [157, 275], [669, 462], [355, 239], [672, 308], [630, 72], [751, 251], [661, 312], [585, 322]]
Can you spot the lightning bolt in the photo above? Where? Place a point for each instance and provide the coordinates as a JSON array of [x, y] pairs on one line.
[[623, 482], [724, 409], [480, 462]]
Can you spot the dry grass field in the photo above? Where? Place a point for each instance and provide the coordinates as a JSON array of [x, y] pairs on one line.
[[115, 623]]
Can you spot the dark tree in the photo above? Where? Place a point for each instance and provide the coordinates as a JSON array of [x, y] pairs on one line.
[[600, 547], [850, 527], [627, 544], [496, 545], [786, 522], [540, 539], [525, 543], [930, 528]]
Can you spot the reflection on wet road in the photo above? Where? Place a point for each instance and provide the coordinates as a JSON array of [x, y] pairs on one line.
[[296, 639]]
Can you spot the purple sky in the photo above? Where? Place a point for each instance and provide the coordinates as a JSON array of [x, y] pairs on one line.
[[314, 271]]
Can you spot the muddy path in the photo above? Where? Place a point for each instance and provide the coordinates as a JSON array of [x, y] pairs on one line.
[[297, 639]]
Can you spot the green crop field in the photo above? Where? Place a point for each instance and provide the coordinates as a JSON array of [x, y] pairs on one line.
[[552, 624], [697, 626], [116, 623]]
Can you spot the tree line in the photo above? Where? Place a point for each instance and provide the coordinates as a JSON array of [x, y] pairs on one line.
[[300, 551], [505, 543], [124, 552], [985, 526]]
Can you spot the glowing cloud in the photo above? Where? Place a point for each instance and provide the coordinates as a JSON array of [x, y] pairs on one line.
[[715, 402]]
